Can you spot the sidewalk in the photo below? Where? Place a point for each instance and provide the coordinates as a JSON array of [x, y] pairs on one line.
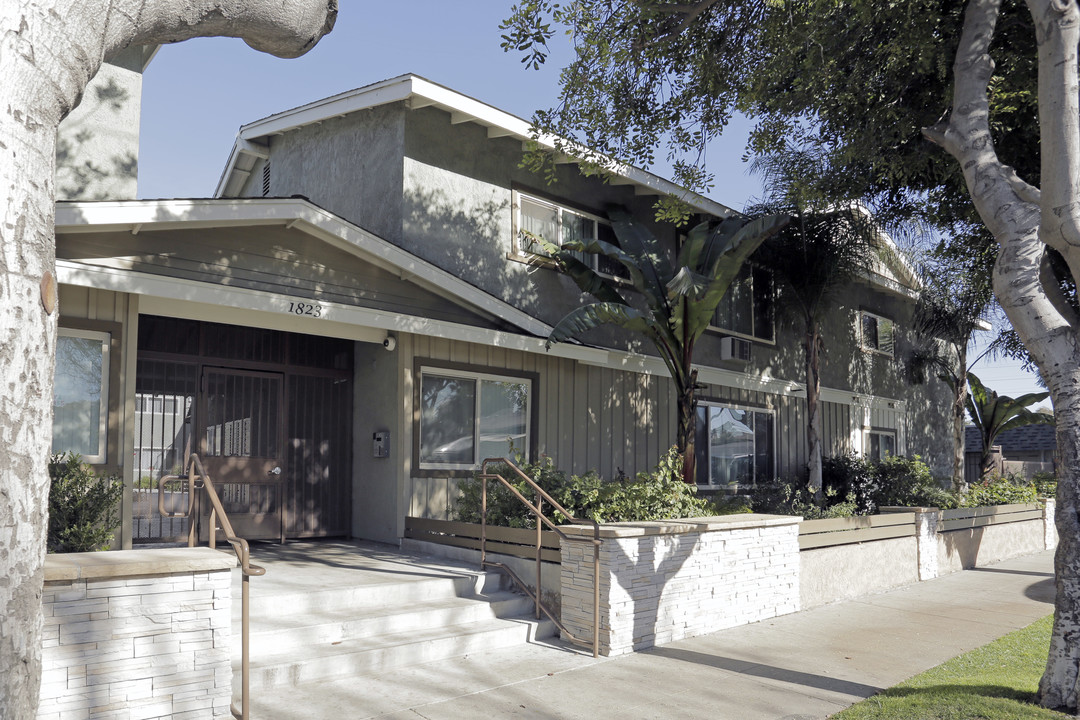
[[798, 667]]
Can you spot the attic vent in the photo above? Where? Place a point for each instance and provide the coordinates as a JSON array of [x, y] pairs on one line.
[[266, 178]]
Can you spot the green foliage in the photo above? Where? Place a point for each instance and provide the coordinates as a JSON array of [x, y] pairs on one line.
[[1000, 491], [856, 486], [679, 291], [1045, 484], [907, 482], [657, 495], [82, 506], [788, 498], [993, 414], [995, 682]]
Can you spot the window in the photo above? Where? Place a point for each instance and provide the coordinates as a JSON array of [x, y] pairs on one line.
[[747, 307], [81, 397], [466, 417], [876, 333], [734, 446], [880, 444], [537, 218]]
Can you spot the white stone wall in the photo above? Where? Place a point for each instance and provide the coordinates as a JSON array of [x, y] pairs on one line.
[[664, 581], [140, 645]]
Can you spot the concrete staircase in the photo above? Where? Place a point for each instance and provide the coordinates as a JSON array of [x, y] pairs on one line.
[[387, 612]]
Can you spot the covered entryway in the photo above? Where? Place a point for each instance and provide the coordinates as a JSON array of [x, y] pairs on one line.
[[270, 414]]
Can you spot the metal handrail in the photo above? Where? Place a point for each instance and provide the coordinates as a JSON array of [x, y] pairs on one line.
[[538, 510], [197, 479]]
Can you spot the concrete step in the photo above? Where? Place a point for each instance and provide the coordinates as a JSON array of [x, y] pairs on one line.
[[296, 630], [369, 655], [387, 592]]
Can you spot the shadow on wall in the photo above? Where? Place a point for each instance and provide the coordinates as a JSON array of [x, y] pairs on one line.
[[645, 598], [91, 165]]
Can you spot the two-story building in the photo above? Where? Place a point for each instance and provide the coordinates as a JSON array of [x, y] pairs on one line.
[[357, 318]]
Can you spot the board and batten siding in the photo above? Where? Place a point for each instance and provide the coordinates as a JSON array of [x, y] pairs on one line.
[[598, 418], [117, 313]]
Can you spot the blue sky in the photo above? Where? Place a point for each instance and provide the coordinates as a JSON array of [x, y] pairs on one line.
[[197, 94]]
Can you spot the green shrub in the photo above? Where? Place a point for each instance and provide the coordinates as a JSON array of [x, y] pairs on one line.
[[907, 482], [855, 486], [1000, 491], [793, 498], [82, 506], [1045, 484], [658, 495]]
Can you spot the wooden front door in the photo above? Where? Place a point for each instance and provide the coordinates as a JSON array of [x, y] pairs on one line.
[[241, 443]]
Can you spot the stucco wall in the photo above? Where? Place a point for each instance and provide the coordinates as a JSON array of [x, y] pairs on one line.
[[842, 572], [963, 549], [351, 166], [97, 156]]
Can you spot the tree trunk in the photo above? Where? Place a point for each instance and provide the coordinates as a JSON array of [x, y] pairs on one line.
[[49, 51], [1058, 686], [959, 418], [687, 429], [812, 348], [1025, 220]]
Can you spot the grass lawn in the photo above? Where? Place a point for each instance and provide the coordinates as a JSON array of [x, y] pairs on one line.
[[995, 682]]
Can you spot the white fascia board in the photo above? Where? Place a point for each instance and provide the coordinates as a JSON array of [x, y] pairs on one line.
[[180, 214], [337, 319], [862, 400], [424, 93]]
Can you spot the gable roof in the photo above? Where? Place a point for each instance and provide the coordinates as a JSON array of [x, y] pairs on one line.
[[1028, 438], [417, 92], [135, 215]]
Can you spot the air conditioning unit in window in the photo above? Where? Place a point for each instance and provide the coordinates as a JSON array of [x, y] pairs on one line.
[[732, 348]]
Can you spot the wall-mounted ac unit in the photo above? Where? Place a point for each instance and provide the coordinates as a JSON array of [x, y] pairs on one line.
[[732, 348]]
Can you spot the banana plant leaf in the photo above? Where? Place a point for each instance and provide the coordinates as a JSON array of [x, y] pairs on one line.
[[588, 317]]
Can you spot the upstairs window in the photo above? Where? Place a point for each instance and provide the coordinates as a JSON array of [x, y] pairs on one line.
[[466, 417], [876, 333], [746, 309], [557, 224], [81, 396]]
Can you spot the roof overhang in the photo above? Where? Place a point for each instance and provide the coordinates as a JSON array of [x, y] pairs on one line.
[[135, 216], [417, 92]]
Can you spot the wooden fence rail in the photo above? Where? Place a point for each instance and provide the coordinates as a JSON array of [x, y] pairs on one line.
[[517, 542]]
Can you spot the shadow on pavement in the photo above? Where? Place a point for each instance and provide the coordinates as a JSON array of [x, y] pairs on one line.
[[770, 672]]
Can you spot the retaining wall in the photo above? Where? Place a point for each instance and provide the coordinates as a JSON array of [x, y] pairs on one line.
[[667, 580], [137, 634]]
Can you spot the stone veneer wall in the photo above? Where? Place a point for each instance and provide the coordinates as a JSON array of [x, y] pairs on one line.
[[137, 634], [667, 580]]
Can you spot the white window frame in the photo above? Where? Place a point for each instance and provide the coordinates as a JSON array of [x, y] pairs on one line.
[[883, 432], [747, 408], [535, 257], [435, 370], [105, 339], [863, 341], [755, 338]]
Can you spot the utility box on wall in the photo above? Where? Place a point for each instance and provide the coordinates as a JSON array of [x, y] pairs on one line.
[[380, 446]]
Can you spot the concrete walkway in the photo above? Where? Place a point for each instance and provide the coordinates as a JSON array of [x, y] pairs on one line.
[[798, 667]]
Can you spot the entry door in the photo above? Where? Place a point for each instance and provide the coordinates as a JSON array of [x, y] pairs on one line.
[[242, 448]]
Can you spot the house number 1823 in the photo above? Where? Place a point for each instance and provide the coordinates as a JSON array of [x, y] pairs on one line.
[[302, 308]]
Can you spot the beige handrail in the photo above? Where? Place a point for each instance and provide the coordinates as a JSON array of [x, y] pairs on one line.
[[197, 479], [542, 519]]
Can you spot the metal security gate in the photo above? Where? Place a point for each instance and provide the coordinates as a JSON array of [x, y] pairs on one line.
[[270, 415]]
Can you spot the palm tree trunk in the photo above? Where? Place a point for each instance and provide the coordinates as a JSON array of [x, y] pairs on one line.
[[959, 413], [812, 348], [688, 428]]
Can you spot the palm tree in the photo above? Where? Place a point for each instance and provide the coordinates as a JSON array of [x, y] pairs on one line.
[[953, 303], [993, 414], [669, 303], [822, 250]]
